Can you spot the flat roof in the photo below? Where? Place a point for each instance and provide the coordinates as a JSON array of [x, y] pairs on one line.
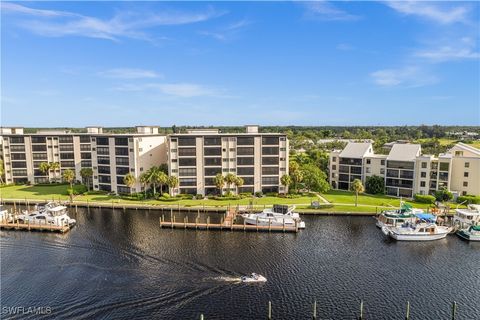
[[227, 134]]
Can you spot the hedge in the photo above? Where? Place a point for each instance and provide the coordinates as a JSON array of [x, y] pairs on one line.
[[469, 199], [423, 198]]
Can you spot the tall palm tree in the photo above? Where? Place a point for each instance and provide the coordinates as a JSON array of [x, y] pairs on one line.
[[69, 176], [357, 187], [172, 183], [129, 180], [55, 166], [86, 174], [286, 180], [144, 182], [161, 178], [229, 180], [44, 168], [238, 182], [2, 171], [219, 182]]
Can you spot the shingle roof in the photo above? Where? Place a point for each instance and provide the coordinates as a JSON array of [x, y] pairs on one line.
[[356, 150], [404, 152]]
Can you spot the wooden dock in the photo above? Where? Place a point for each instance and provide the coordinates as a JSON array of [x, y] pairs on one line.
[[33, 227], [226, 224]]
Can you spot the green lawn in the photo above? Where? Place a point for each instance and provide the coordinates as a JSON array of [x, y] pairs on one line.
[[344, 201]]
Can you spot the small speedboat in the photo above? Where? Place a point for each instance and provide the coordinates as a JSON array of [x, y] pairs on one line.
[[423, 231], [471, 234], [254, 277]]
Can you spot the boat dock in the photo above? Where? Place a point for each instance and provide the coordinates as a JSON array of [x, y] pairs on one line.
[[32, 227], [227, 223]]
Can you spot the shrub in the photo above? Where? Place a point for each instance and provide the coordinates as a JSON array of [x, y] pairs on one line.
[[245, 194], [469, 199], [199, 196], [423, 198], [259, 194], [272, 194], [166, 195], [375, 185], [443, 195], [79, 189]]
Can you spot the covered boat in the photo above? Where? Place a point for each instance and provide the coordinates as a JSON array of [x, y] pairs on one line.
[[423, 231], [471, 234]]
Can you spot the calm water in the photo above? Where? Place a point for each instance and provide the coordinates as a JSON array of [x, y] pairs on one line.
[[121, 265]]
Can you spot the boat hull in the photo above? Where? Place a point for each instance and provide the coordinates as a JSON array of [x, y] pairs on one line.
[[468, 236], [417, 237]]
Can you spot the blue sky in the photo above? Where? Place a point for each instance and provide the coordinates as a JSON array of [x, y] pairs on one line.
[[224, 63]]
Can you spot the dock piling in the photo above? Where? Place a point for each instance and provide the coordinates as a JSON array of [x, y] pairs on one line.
[[407, 317], [314, 309], [361, 310], [454, 310], [269, 310]]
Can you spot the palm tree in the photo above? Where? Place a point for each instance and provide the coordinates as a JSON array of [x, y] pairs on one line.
[[156, 177], [172, 182], [357, 187], [54, 166], [69, 176], [44, 168], [219, 182], [286, 180], [229, 180], [238, 182], [2, 171], [86, 174], [129, 180], [144, 182], [162, 179], [296, 174]]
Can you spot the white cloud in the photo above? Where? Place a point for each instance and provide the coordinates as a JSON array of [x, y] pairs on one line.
[[326, 11], [128, 73], [128, 24], [182, 90], [228, 32], [439, 12], [448, 53], [409, 76]]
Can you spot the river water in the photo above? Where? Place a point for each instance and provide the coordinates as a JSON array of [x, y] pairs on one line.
[[121, 265]]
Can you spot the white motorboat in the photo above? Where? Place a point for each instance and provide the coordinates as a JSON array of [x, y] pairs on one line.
[[395, 218], [471, 234], [276, 216], [253, 278], [464, 218], [423, 231], [52, 213]]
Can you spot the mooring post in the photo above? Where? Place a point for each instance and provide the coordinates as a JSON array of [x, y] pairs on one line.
[[314, 309], [257, 223], [201, 317], [454, 310], [407, 317], [269, 310], [208, 222], [361, 310], [269, 225]]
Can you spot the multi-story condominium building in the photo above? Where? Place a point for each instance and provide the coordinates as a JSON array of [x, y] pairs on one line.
[[196, 157], [111, 156], [406, 171]]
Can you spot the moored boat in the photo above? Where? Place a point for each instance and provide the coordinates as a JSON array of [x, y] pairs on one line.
[[279, 215], [464, 218], [471, 234], [51, 213], [395, 218], [423, 231]]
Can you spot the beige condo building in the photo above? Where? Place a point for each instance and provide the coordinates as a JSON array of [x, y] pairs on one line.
[[406, 171], [111, 156]]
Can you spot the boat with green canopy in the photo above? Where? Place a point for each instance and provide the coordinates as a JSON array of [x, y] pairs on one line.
[[471, 234], [395, 218]]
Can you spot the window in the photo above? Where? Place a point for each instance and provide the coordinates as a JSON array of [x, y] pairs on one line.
[[270, 170], [213, 161], [66, 147], [18, 156], [213, 171], [102, 141], [458, 153], [68, 155], [187, 182], [122, 170], [189, 152], [248, 180], [245, 151], [86, 155], [19, 173], [467, 164], [184, 141], [121, 151], [382, 162], [121, 141], [39, 147], [465, 183], [246, 171], [17, 140], [38, 139], [424, 165], [245, 141], [103, 150], [270, 140], [213, 151], [187, 162], [369, 161], [104, 179], [368, 170], [19, 164], [269, 160], [245, 161], [67, 164], [17, 149], [212, 141], [465, 174], [104, 169], [123, 190], [121, 161], [103, 160], [444, 166], [84, 147], [423, 174], [85, 164], [422, 184], [185, 172], [84, 139], [334, 167], [269, 180], [334, 159]]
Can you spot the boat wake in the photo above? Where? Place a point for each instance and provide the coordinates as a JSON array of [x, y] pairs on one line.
[[227, 279]]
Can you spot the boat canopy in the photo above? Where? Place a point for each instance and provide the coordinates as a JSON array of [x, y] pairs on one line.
[[475, 228], [406, 206], [426, 217]]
